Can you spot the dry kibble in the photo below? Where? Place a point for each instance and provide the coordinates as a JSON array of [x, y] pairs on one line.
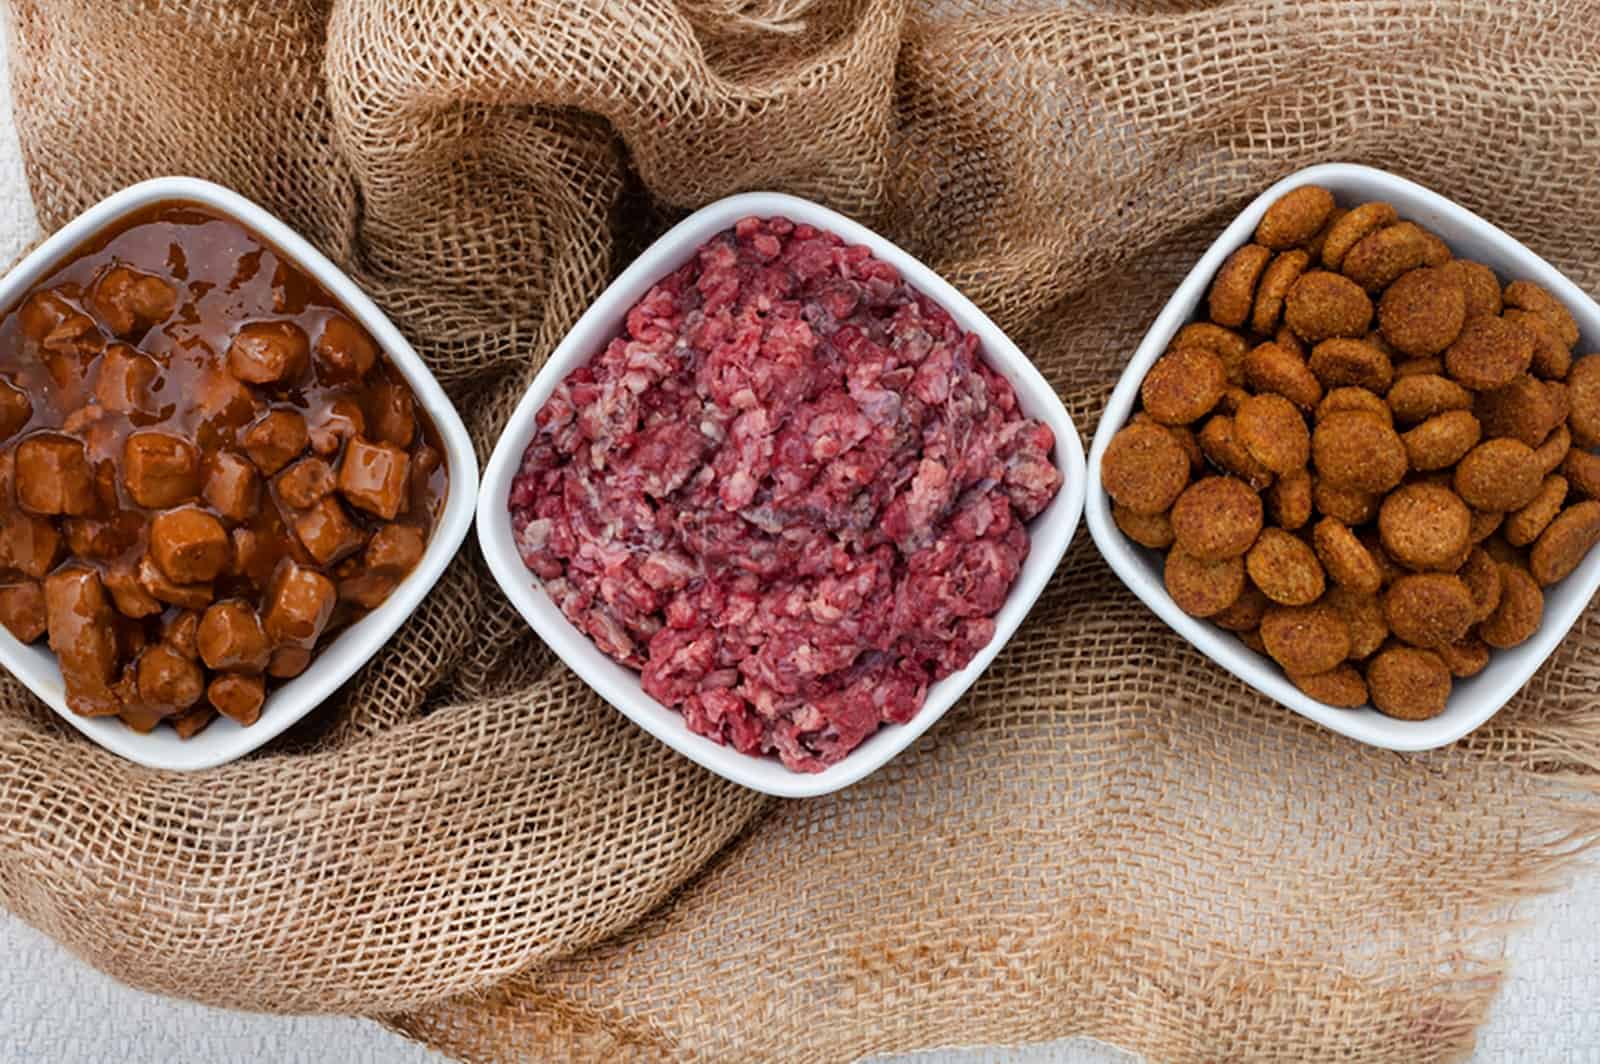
[[1231, 400], [1348, 505], [1233, 291], [1481, 574], [1429, 609], [1226, 344], [1467, 658], [1526, 295], [1563, 545], [1289, 499], [1220, 442], [1183, 386], [1245, 613], [1497, 548], [1423, 312], [1521, 609], [1526, 525], [1216, 518], [1315, 245], [1413, 367], [1484, 524], [1358, 451], [1362, 614], [1583, 392], [1500, 474], [1200, 588], [1351, 398], [1350, 229], [1252, 640], [1346, 561], [1417, 397], [1185, 437], [1582, 471], [1383, 255], [1272, 367], [1551, 357], [1480, 286], [1560, 399], [1435, 251], [1295, 217], [1271, 429], [1144, 469], [1424, 526], [1305, 640], [1280, 275], [1523, 410], [1489, 353], [1340, 362], [1341, 687], [1553, 451], [1323, 304], [1286, 339], [1440, 441], [1374, 543], [1408, 683], [1285, 569], [1147, 530]]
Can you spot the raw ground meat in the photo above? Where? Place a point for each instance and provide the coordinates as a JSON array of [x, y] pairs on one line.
[[791, 493]]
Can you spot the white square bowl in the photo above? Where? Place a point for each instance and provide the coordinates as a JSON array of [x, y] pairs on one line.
[[1050, 532], [225, 740], [1472, 701]]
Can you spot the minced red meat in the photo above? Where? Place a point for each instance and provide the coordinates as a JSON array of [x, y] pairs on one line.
[[790, 493]]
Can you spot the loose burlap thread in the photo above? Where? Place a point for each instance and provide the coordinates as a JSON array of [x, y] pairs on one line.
[[1108, 836]]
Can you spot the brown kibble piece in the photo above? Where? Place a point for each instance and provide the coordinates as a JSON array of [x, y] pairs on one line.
[[1551, 357], [1363, 616], [1201, 588], [1417, 398], [1423, 312], [1305, 640], [1466, 658], [1280, 276], [1351, 398], [1323, 304], [1348, 505], [1220, 441], [1315, 245], [1348, 563], [1526, 295], [1500, 474], [1295, 217], [1479, 284], [1226, 344], [1272, 367], [1273, 432], [1490, 353], [1424, 526], [1429, 609], [1384, 254], [1564, 544], [239, 698], [1415, 367], [1435, 251], [1582, 470], [1342, 362], [1341, 687], [268, 352], [1233, 290], [1246, 611], [1521, 609], [1440, 441], [1147, 530], [1526, 525], [1144, 468], [1349, 230], [1408, 683], [1216, 518], [1523, 410], [1183, 386], [1289, 499], [1583, 392], [1481, 574], [1358, 451], [1286, 570]]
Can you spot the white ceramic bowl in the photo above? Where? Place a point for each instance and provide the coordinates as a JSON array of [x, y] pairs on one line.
[[225, 740], [1050, 532], [1472, 701]]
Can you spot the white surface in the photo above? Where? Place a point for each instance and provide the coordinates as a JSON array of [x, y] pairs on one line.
[[55, 1009], [225, 740], [1051, 531], [1472, 701]]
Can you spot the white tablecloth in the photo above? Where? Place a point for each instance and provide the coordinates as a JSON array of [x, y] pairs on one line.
[[54, 1008]]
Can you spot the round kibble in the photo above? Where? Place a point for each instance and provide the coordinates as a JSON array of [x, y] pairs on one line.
[[1341, 687], [1408, 683], [1363, 616], [1358, 451], [1280, 275], [1346, 561], [1227, 345], [1583, 392], [1272, 430], [1467, 658], [1323, 304], [1286, 339], [1305, 640], [1231, 400], [1295, 217], [1315, 245], [1528, 523], [1500, 474], [1489, 353], [1563, 545], [1289, 499], [1554, 450], [1497, 548], [1551, 357], [1523, 410], [1348, 505], [1440, 441], [1422, 313], [1144, 469], [1481, 574], [1527, 295], [1220, 441], [1350, 229], [1417, 397], [1484, 524], [1436, 252], [1216, 518], [1560, 398], [1202, 588], [1521, 609], [1244, 615], [1582, 471], [1286, 570], [1147, 530], [1480, 286], [1341, 361], [1429, 609], [1183, 386], [1350, 398], [1272, 367], [1381, 256], [1374, 543], [1424, 526], [1412, 367], [1233, 291]]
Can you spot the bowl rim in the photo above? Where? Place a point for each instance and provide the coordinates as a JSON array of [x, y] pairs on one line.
[[1472, 701], [340, 659], [598, 324]]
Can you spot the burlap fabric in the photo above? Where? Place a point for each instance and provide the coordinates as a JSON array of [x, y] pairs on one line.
[[1109, 836]]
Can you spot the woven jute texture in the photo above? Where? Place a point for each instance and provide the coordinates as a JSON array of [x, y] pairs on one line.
[[1108, 836]]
